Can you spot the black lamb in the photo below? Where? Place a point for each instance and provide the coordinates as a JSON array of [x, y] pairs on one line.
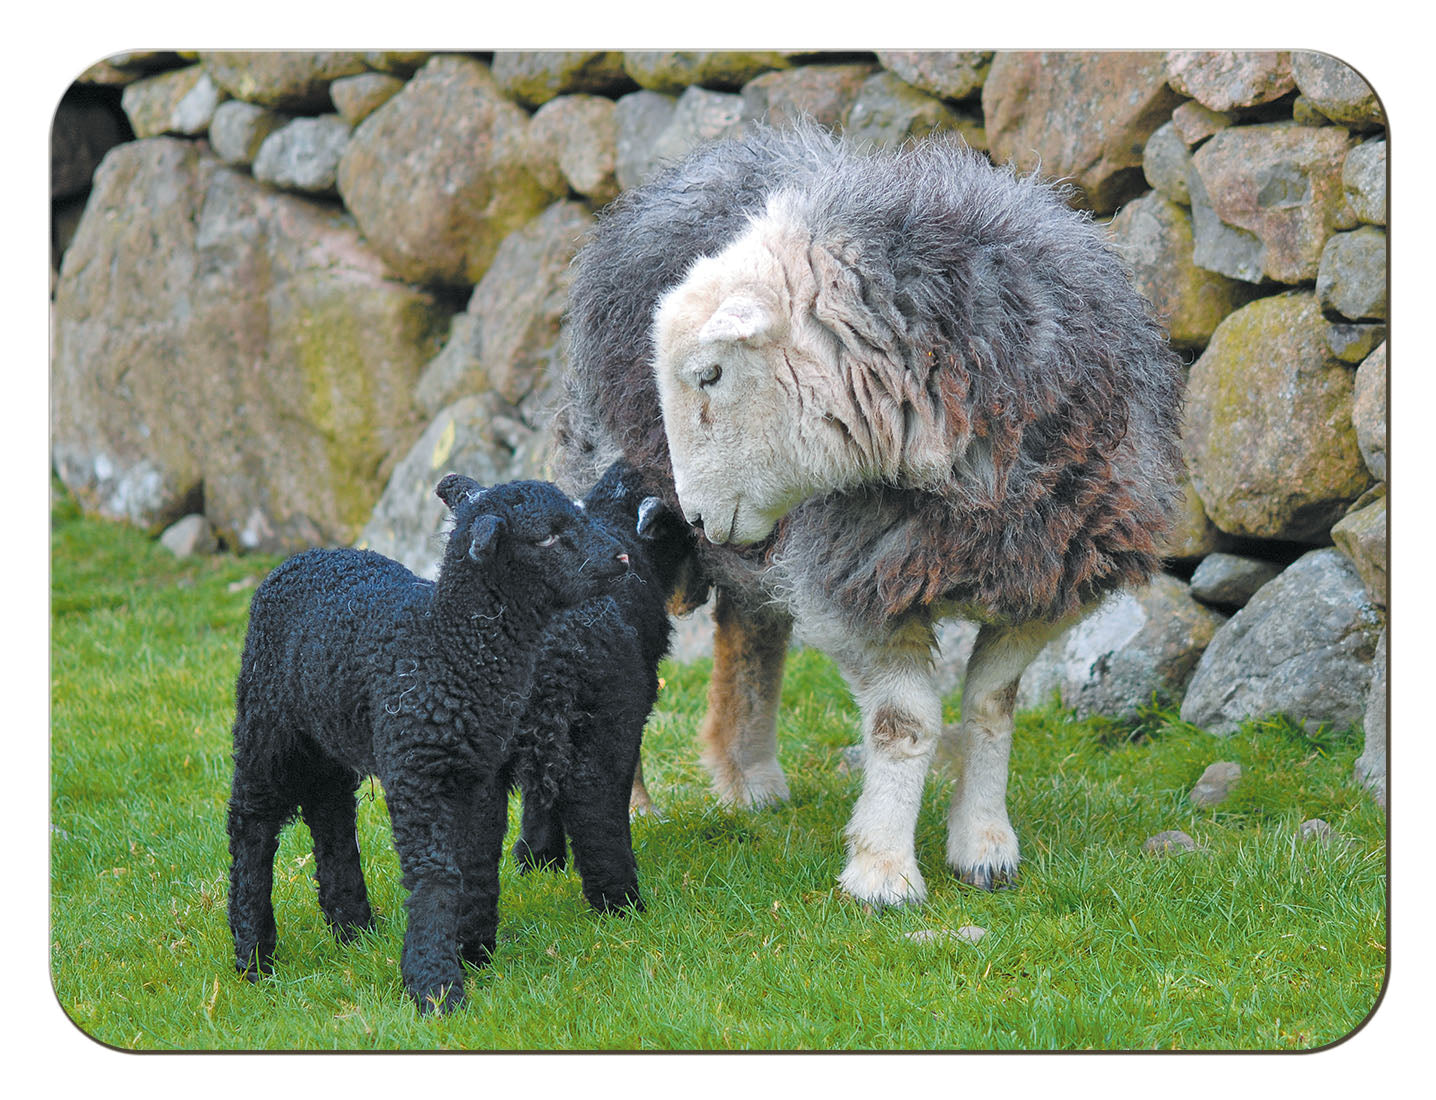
[[353, 666], [599, 674]]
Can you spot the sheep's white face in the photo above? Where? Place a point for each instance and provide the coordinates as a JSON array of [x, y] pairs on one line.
[[727, 370]]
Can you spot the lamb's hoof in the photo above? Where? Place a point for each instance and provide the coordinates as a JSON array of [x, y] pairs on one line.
[[619, 902], [479, 954], [256, 965], [880, 880], [439, 996], [538, 859], [347, 932]]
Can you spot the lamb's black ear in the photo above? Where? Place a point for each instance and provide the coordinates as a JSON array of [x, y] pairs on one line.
[[649, 513], [456, 488], [484, 538]]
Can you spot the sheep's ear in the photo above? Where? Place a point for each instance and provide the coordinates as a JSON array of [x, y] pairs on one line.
[[740, 317], [649, 513], [484, 538], [456, 488]]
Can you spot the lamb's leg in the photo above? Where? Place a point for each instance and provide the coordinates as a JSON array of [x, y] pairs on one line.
[[541, 842], [481, 843], [426, 811], [594, 805], [327, 805], [981, 845], [740, 732], [901, 714], [253, 841]]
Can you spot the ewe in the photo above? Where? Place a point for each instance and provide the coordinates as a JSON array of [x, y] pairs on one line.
[[354, 666], [890, 388]]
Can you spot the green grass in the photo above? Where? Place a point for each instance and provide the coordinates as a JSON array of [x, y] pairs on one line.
[[1255, 941]]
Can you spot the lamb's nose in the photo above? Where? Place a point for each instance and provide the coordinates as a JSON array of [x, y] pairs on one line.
[[623, 558]]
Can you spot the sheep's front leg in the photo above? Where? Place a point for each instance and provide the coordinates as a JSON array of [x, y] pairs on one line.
[[981, 844], [740, 731], [901, 714]]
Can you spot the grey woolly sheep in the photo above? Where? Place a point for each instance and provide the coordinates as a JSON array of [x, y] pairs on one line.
[[353, 666], [890, 388]]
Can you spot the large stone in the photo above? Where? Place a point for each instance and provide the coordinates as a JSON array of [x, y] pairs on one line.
[[179, 101], [515, 312], [357, 97], [1194, 123], [288, 80], [304, 154], [439, 175], [1194, 536], [820, 92], [949, 74], [698, 116], [1337, 90], [1361, 536], [1278, 184], [1135, 647], [239, 129], [189, 537], [1370, 770], [120, 69], [1230, 580], [1363, 182], [1368, 412], [1224, 79], [1352, 343], [1269, 440], [1079, 116], [1154, 235], [408, 521], [83, 131], [578, 136], [672, 72], [123, 307], [533, 77], [1351, 278], [216, 338], [642, 117], [1165, 160], [888, 111], [1302, 647]]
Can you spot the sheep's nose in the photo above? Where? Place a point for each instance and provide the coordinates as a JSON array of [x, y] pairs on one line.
[[623, 558]]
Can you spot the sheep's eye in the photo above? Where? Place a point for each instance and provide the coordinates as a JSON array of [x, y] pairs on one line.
[[551, 540], [709, 375]]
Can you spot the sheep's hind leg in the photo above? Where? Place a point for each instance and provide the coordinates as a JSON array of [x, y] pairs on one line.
[[327, 805], [901, 715], [740, 731], [981, 845]]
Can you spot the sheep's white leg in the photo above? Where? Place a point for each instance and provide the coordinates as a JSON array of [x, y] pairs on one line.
[[981, 844], [740, 732], [901, 713]]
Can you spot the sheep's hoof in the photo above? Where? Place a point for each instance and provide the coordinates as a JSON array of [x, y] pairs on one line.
[[988, 878], [882, 880], [256, 965], [538, 859], [479, 954]]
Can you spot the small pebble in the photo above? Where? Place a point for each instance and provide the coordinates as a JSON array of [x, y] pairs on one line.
[[968, 933], [1173, 840], [1216, 783], [1316, 829]]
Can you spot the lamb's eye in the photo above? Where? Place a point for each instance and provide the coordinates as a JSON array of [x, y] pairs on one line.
[[551, 540], [709, 375]]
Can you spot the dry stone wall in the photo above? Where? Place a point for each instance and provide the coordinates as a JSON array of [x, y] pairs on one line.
[[292, 289]]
